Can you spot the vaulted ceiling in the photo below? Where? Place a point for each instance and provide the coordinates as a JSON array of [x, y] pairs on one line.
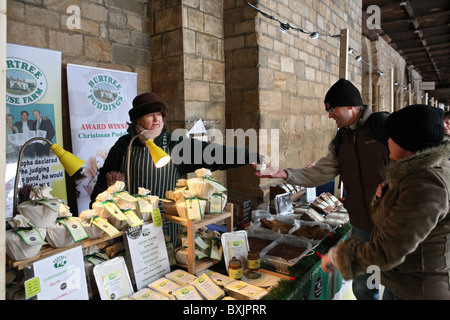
[[419, 30]]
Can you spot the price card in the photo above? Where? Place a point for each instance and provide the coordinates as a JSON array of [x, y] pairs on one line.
[[54, 204], [125, 196], [105, 226], [193, 208], [215, 203], [31, 237], [32, 287], [156, 217], [133, 220], [112, 208], [75, 228]]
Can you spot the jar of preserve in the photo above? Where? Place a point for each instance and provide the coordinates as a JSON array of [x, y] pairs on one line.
[[253, 260], [235, 268]]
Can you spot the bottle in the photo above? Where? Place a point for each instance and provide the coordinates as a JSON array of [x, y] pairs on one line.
[[235, 268]]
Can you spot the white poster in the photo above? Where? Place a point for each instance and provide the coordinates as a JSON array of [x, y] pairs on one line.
[[33, 109], [99, 101], [148, 253], [62, 276]]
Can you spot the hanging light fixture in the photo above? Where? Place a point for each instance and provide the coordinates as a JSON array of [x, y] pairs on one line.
[[314, 35], [284, 27], [160, 158], [70, 162]]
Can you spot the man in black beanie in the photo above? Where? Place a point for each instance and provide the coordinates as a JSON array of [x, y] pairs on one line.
[[358, 153]]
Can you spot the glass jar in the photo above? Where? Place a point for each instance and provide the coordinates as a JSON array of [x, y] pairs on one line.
[[253, 260], [235, 268]]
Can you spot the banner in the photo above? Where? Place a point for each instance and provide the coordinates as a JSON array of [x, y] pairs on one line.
[[99, 100], [33, 109]]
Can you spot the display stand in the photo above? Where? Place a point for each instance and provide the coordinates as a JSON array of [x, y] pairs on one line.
[[192, 226], [48, 250]]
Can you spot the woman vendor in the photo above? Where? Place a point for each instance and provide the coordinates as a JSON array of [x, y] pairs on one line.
[[147, 119]]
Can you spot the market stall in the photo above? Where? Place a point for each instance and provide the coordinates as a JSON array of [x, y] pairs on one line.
[[118, 250]]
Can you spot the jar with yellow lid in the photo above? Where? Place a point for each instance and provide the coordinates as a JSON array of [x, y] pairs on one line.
[[235, 268], [253, 260]]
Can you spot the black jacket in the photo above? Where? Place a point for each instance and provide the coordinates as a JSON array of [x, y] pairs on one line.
[[184, 152]]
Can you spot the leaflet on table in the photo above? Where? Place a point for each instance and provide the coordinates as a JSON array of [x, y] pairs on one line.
[[181, 277], [112, 279], [75, 228], [165, 286], [241, 290], [187, 293], [218, 278], [207, 288], [148, 294]]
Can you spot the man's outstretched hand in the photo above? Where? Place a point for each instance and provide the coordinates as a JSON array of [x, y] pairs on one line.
[[270, 172]]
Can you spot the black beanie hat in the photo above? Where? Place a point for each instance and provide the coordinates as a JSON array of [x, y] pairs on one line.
[[342, 94], [145, 103], [416, 127]]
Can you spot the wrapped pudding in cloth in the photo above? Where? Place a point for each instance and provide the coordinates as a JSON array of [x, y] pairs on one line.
[[200, 186], [42, 209], [65, 232], [189, 206], [206, 188], [169, 204], [106, 208], [92, 230], [145, 204], [24, 241]]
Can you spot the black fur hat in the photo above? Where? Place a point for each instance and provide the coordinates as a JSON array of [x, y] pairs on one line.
[[416, 127], [145, 103]]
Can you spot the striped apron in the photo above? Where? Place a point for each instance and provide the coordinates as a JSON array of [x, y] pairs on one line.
[[144, 174]]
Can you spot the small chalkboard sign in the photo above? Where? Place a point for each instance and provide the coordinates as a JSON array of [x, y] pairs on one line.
[[246, 213]]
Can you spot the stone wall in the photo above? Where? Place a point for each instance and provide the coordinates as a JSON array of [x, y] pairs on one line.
[[278, 80], [223, 61], [113, 34]]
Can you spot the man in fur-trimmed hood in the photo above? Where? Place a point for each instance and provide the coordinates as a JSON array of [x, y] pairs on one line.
[[410, 243]]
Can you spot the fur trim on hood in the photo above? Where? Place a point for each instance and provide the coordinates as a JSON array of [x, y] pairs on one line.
[[420, 160]]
